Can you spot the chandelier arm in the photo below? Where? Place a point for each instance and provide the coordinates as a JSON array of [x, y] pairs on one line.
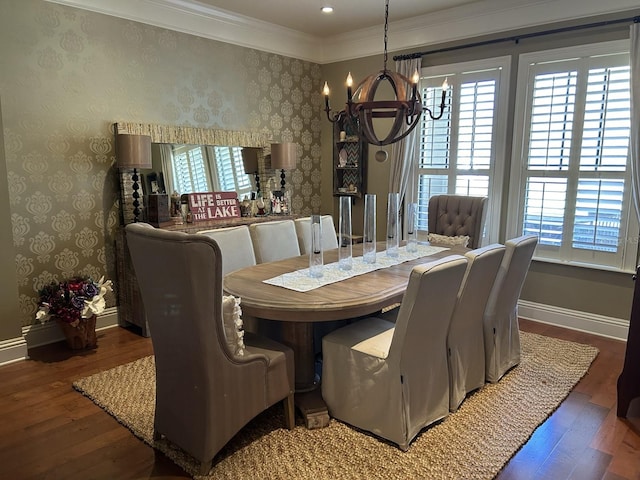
[[336, 116], [439, 116], [413, 119]]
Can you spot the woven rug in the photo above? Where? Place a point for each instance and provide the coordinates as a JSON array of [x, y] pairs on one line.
[[473, 443]]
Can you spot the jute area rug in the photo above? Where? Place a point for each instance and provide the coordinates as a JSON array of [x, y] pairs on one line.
[[473, 443]]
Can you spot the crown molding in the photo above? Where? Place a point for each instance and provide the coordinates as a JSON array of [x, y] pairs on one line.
[[466, 21], [453, 24], [207, 22]]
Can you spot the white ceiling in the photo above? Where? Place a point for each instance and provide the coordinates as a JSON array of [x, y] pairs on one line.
[[305, 15], [297, 28]]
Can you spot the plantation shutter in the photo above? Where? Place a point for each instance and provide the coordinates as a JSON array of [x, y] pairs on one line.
[[457, 152], [576, 185], [190, 171]]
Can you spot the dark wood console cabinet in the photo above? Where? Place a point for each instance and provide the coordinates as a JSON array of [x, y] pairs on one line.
[[629, 379]]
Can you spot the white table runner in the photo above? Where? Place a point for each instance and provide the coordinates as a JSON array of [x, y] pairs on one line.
[[300, 280]]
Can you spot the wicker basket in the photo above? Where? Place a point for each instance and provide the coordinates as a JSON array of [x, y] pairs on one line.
[[82, 336]]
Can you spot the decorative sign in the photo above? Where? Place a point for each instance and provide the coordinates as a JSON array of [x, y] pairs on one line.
[[213, 205]]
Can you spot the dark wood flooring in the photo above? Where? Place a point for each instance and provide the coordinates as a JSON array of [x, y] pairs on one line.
[[49, 431]]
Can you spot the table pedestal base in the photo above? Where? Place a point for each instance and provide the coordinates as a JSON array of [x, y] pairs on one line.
[[313, 409], [299, 336]]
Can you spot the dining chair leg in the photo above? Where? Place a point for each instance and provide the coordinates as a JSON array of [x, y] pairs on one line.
[[289, 411]]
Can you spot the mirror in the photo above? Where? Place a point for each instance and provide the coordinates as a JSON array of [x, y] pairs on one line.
[[200, 141], [184, 168]]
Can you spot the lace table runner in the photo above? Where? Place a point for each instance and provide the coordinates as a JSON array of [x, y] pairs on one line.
[[300, 280]]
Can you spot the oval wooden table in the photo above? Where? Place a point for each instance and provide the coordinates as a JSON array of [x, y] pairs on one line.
[[297, 311]]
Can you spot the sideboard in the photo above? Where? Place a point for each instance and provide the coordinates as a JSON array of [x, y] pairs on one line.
[[131, 311]]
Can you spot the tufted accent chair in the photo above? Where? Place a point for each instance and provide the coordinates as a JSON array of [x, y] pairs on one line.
[[454, 215]]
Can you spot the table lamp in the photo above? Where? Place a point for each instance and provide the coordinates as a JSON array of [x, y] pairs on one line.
[[283, 157], [134, 151], [250, 162]]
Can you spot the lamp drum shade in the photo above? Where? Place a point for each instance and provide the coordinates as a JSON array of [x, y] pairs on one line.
[[283, 156], [133, 151], [250, 157]]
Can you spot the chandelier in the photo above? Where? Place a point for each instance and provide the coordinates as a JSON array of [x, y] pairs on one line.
[[362, 107]]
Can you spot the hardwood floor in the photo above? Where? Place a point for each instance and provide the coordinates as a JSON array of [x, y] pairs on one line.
[[49, 431]]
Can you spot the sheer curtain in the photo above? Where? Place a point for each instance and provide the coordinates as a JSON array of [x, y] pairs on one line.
[[166, 154], [634, 136], [403, 152]]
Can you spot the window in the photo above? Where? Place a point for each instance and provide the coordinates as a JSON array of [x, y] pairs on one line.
[[191, 173], [230, 171], [203, 169], [570, 182], [463, 152]]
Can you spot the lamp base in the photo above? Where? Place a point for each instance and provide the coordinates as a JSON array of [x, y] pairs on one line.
[[136, 196]]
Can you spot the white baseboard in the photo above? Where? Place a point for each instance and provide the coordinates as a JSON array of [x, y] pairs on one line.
[[15, 349], [575, 320], [12, 350]]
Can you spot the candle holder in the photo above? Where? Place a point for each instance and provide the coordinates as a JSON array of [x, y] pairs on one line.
[[369, 233], [345, 243], [316, 260], [393, 230]]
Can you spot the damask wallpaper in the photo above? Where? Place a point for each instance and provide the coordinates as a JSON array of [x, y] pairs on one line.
[[66, 75]]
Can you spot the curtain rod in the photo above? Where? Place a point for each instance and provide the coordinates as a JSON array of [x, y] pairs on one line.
[[517, 38]]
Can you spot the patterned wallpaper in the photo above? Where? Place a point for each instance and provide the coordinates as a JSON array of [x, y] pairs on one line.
[[66, 75]]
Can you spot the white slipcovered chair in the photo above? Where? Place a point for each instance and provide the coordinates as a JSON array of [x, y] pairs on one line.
[[235, 245], [237, 252], [501, 331], [391, 378], [465, 343], [303, 230], [274, 240]]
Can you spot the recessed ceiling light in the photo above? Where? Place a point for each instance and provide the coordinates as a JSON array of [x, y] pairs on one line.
[[327, 9]]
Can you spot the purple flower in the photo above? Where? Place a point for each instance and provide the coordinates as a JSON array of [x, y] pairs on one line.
[[78, 301], [90, 290]]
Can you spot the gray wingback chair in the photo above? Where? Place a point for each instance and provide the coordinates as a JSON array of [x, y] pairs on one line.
[[205, 393], [458, 215]]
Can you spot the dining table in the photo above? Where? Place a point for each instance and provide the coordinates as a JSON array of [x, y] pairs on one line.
[[297, 311]]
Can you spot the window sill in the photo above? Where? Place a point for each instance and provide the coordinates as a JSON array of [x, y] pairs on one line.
[[589, 266]]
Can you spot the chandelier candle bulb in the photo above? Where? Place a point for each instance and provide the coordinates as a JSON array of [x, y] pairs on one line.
[[349, 85], [445, 87], [325, 92], [415, 79]]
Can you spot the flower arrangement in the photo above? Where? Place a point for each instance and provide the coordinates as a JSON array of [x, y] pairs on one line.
[[74, 300]]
